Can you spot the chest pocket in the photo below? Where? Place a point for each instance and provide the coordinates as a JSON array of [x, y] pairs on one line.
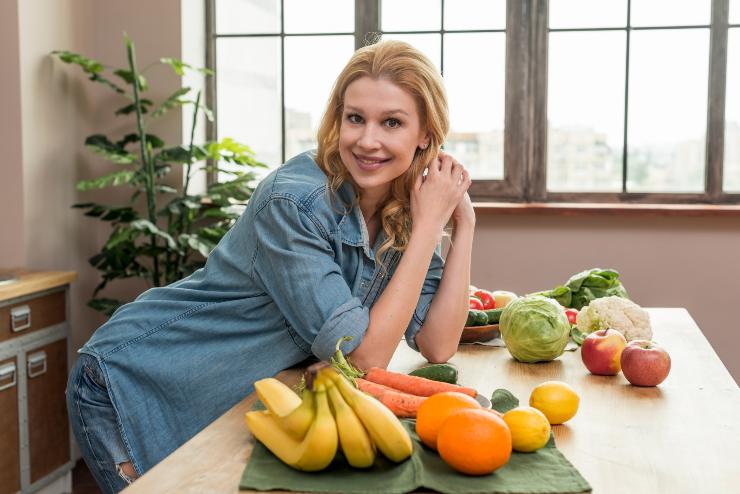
[[382, 277]]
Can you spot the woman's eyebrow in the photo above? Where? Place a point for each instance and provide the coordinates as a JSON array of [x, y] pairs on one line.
[[388, 112]]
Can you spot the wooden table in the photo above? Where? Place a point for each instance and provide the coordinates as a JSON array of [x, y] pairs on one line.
[[683, 436]]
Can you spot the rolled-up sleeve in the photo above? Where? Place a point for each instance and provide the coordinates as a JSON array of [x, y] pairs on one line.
[[294, 261], [431, 284]]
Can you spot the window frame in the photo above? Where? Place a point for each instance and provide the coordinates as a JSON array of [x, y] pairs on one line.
[[525, 100]]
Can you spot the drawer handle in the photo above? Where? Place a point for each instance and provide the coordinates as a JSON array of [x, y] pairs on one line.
[[7, 372], [36, 364], [20, 318]]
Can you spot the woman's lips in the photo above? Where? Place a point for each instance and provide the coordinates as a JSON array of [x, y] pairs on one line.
[[369, 164]]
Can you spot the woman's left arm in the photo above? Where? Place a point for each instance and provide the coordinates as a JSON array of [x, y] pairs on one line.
[[439, 336]]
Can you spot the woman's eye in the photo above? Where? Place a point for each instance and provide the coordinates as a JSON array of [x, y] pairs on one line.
[[393, 123], [354, 118]]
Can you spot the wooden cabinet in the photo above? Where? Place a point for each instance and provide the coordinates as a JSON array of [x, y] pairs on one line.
[[35, 439], [48, 427], [10, 463]]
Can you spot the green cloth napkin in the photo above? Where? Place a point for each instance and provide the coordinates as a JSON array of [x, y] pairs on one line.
[[545, 471]]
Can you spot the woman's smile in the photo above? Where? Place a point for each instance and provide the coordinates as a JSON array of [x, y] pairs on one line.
[[369, 163]]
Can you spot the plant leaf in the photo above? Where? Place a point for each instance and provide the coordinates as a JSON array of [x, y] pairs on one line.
[[171, 102], [147, 226], [151, 140], [178, 66], [145, 104], [177, 154], [203, 246], [128, 77], [121, 177], [100, 144]]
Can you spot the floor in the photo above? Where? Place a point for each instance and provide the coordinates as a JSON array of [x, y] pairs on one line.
[[82, 480]]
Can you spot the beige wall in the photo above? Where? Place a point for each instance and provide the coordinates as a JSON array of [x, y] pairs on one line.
[[11, 170], [52, 108], [663, 261], [689, 262]]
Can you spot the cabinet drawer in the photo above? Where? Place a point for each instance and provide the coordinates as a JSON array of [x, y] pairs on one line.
[[21, 318], [48, 429], [10, 464]]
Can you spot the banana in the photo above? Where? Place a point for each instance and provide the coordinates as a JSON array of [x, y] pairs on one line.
[[299, 420], [353, 438], [384, 428], [315, 452], [279, 399]]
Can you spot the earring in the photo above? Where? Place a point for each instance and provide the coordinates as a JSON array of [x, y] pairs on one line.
[[423, 146]]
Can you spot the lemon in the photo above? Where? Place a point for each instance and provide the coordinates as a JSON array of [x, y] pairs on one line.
[[556, 399], [530, 429]]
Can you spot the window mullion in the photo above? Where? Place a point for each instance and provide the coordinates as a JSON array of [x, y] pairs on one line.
[[536, 175], [211, 127], [367, 21], [716, 107]]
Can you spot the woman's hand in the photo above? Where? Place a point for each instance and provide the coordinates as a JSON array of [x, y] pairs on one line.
[[439, 193], [464, 214]]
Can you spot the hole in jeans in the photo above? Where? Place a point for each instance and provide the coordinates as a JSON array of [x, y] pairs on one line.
[[127, 472]]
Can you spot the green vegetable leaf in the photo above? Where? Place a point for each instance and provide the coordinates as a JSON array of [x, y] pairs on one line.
[[151, 140], [502, 400], [577, 336]]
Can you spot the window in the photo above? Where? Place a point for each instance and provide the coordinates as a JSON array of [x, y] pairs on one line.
[[559, 100]]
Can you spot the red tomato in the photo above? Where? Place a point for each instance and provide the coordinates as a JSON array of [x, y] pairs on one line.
[[475, 303], [572, 314], [486, 297]]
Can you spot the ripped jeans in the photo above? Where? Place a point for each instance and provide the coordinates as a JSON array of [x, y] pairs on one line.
[[96, 426]]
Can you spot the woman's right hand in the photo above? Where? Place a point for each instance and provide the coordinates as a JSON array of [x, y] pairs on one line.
[[436, 195]]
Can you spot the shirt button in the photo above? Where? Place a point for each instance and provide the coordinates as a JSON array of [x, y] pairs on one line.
[[363, 284]]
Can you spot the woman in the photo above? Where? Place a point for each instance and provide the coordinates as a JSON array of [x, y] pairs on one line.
[[338, 242]]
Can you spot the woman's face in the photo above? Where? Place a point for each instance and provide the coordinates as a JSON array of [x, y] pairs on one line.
[[379, 134]]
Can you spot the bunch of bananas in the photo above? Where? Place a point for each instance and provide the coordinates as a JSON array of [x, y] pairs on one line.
[[305, 432]]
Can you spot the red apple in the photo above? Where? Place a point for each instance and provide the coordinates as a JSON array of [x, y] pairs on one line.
[[644, 363], [601, 352]]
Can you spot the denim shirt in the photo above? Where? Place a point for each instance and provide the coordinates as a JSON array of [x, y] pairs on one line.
[[294, 274]]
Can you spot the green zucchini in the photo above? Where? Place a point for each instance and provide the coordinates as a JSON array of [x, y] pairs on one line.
[[476, 318], [437, 372], [493, 315]]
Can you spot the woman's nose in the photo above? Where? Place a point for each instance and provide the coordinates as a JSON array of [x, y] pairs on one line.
[[369, 137]]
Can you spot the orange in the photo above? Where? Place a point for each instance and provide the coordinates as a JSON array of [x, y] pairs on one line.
[[474, 442], [435, 409]]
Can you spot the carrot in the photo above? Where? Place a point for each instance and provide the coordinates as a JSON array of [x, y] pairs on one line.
[[403, 405], [413, 384]]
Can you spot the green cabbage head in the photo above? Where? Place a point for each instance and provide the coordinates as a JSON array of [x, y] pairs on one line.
[[534, 328]]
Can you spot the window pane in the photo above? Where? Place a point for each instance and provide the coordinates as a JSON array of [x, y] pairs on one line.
[[585, 111], [319, 16], [429, 44], [670, 12], [734, 11], [475, 14], [410, 15], [308, 81], [564, 14], [667, 110], [732, 115], [476, 100], [247, 16], [248, 86]]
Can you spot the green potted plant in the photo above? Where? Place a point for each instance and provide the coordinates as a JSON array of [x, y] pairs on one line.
[[161, 234]]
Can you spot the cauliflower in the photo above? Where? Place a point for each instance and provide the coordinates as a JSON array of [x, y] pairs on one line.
[[617, 313]]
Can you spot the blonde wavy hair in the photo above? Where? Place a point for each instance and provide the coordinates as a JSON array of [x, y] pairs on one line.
[[409, 69]]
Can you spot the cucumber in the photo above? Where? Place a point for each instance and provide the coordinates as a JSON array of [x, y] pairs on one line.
[[476, 318], [437, 372], [493, 315]]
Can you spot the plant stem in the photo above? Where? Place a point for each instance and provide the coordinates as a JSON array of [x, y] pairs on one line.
[[145, 159]]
